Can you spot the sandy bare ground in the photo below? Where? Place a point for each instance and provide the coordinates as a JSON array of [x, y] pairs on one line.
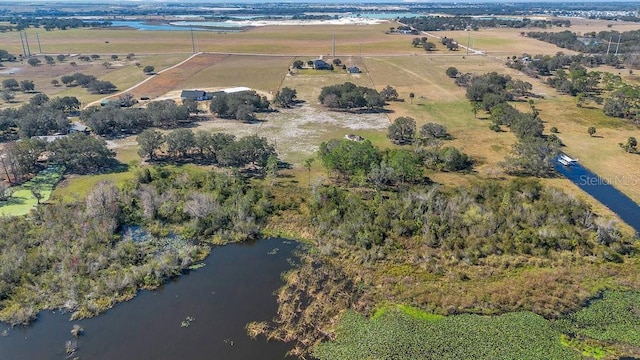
[[297, 132]]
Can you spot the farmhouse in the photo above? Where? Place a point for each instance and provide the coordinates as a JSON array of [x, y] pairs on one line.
[[198, 95], [320, 64]]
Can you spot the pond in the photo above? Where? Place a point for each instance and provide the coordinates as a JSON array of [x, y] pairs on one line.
[[603, 189], [200, 315]]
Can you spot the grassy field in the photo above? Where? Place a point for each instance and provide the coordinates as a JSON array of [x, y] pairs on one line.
[[22, 198]]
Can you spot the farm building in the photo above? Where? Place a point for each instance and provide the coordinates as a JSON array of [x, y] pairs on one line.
[[320, 64], [77, 127], [353, 70], [198, 95]]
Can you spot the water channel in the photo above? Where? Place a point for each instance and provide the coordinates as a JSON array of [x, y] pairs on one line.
[[602, 189], [235, 287]]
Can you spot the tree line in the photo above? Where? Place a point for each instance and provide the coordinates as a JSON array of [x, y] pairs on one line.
[[50, 23], [113, 120], [205, 147], [77, 153], [438, 23]]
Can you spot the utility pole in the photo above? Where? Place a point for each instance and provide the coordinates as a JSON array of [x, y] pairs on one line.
[[26, 40], [333, 46], [193, 44], [609, 46], [39, 48], [618, 46], [468, 41], [24, 50]]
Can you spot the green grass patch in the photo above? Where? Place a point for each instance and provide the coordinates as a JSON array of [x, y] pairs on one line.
[[22, 199], [613, 317], [77, 187], [397, 335]]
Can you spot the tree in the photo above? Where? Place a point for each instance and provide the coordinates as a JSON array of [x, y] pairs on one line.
[[49, 60], [101, 87], [67, 80], [180, 142], [67, 104], [532, 156], [7, 96], [95, 57], [114, 57], [402, 131], [389, 93], [307, 165], [415, 42], [36, 191], [148, 69], [285, 97], [34, 61], [297, 64], [39, 99], [591, 130], [127, 100], [130, 56], [631, 145], [60, 57], [554, 130], [452, 72], [430, 131], [271, 168], [411, 96], [80, 153], [106, 64], [348, 157], [55, 82], [10, 84], [429, 46], [27, 85]]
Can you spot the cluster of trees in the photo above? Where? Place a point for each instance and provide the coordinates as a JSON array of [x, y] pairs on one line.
[[89, 82], [213, 148], [491, 89], [51, 23], [40, 116], [77, 153], [349, 96], [450, 43], [361, 163], [534, 153], [429, 140], [544, 65], [82, 258], [437, 23], [9, 86], [424, 43], [241, 105], [592, 42], [113, 119], [568, 76]]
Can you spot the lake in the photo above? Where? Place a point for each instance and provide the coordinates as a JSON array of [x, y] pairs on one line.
[[235, 287], [603, 189]]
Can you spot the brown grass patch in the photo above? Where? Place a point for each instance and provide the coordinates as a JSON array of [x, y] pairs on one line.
[[175, 78]]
